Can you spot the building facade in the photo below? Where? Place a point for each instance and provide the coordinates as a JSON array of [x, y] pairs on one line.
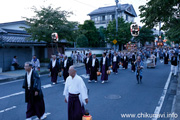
[[14, 41], [103, 15]]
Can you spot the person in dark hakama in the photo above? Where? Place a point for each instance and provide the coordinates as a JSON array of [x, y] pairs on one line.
[[166, 58], [54, 68], [115, 62], [110, 58], [75, 93], [65, 66], [104, 66], [33, 94], [132, 62], [86, 62], [139, 67], [125, 61], [94, 67]]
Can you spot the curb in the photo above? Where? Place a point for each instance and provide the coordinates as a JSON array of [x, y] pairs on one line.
[[22, 76], [176, 102]]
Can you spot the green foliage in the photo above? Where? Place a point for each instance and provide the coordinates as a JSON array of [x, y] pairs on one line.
[[101, 32], [82, 41], [165, 11], [168, 43], [49, 20], [90, 31], [123, 35], [145, 35]]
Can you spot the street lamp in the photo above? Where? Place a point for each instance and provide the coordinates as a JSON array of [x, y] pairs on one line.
[[117, 1]]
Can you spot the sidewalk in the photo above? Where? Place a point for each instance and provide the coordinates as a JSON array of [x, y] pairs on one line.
[[176, 102], [19, 74]]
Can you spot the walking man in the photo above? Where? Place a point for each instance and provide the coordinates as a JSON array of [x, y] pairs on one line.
[[65, 66], [75, 93], [94, 67], [54, 68], [104, 65], [86, 62], [115, 62], [174, 64], [139, 66], [33, 93]]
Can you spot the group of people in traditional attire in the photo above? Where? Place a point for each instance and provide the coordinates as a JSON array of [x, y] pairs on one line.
[[75, 90], [59, 66]]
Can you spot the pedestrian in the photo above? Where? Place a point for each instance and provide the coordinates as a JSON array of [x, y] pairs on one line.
[[35, 63], [125, 61], [174, 64], [86, 62], [115, 62], [104, 65], [33, 94], [94, 68], [166, 57], [75, 93], [139, 66], [15, 63], [54, 68], [65, 66], [133, 59]]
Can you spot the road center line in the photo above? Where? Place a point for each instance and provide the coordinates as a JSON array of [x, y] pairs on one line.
[[161, 100], [22, 92], [7, 109], [15, 94]]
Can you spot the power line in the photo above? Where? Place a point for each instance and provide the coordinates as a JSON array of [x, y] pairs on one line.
[[85, 4]]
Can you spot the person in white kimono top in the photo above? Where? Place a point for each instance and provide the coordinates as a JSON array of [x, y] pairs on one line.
[[75, 93]]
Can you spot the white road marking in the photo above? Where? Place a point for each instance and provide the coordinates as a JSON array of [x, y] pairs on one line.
[[46, 114], [7, 109], [11, 82], [161, 100], [47, 86], [22, 92], [15, 94], [84, 76]]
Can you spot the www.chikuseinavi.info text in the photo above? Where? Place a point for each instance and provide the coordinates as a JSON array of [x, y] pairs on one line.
[[146, 115]]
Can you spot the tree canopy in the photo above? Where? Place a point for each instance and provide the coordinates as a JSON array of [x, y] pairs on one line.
[[49, 20], [90, 31], [145, 35], [165, 11], [123, 36]]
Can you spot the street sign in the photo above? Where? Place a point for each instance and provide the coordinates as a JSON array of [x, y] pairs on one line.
[[114, 41]]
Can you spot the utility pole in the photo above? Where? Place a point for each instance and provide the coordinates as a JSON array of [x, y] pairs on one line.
[[116, 18]]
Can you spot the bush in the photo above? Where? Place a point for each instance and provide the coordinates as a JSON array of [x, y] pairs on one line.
[[82, 41]]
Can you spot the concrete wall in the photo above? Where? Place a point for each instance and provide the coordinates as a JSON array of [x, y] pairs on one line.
[[68, 51], [7, 54]]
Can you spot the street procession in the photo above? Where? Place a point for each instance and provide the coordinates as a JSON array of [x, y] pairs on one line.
[[90, 60]]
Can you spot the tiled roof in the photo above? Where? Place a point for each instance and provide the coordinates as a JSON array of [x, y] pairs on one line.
[[2, 31], [12, 23], [16, 38], [15, 31], [110, 9]]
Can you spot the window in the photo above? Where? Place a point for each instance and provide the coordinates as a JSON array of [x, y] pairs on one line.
[[127, 17], [103, 18], [113, 17]]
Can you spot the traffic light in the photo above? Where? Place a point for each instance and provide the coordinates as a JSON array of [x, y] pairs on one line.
[[54, 37], [134, 30]]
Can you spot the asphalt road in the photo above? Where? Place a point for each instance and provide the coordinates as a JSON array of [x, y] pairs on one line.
[[109, 101]]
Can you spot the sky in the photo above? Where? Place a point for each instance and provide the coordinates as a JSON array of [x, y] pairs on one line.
[[15, 10]]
